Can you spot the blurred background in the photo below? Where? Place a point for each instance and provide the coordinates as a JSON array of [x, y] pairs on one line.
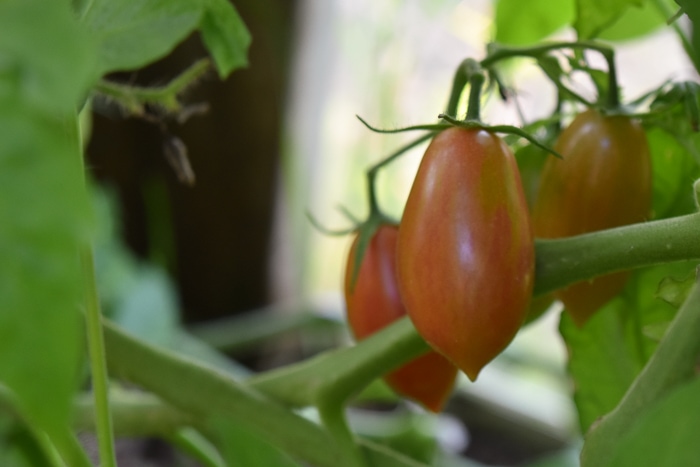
[[235, 258]]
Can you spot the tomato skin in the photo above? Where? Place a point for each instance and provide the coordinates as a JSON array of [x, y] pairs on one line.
[[604, 181], [374, 302], [465, 248]]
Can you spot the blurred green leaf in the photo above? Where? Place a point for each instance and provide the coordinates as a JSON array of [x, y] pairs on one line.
[[636, 22], [132, 34], [673, 291], [148, 307], [524, 22], [225, 35], [44, 215], [45, 56], [674, 171], [593, 16], [665, 435]]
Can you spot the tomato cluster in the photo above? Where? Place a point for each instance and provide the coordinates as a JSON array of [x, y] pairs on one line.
[[461, 264]]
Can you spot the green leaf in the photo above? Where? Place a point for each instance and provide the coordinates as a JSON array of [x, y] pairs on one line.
[[609, 351], [225, 35], [673, 291], [543, 17], [636, 22], [600, 363], [692, 9], [53, 78], [132, 34], [665, 435], [592, 16], [674, 170], [44, 213]]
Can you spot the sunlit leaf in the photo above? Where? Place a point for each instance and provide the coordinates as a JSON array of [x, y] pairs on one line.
[[543, 18], [592, 16]]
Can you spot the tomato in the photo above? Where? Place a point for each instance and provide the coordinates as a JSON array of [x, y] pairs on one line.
[[465, 248], [603, 181], [374, 302]]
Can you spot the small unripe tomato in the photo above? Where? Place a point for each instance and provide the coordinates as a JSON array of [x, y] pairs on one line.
[[373, 302]]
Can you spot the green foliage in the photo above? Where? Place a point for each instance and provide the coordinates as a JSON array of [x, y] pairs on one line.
[[133, 34], [39, 240], [593, 16], [637, 21], [225, 36], [524, 22], [666, 434]]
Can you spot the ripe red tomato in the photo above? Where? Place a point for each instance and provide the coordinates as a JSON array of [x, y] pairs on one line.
[[374, 302], [604, 181], [465, 248]]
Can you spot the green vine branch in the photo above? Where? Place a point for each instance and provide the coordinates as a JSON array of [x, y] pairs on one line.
[[135, 98], [203, 393], [565, 261]]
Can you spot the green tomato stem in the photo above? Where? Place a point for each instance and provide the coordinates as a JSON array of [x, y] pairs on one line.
[[672, 364], [203, 392], [98, 368], [342, 373], [476, 81], [333, 418], [499, 53], [133, 98], [96, 350], [562, 262]]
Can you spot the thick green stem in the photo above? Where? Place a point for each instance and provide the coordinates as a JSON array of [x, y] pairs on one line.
[[339, 374], [568, 260], [203, 392], [333, 418], [672, 364], [98, 367]]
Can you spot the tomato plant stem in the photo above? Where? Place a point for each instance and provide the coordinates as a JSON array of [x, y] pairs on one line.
[[498, 53], [565, 261], [333, 418], [476, 81], [134, 98], [203, 392], [98, 368], [342, 373], [96, 350], [672, 364]]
